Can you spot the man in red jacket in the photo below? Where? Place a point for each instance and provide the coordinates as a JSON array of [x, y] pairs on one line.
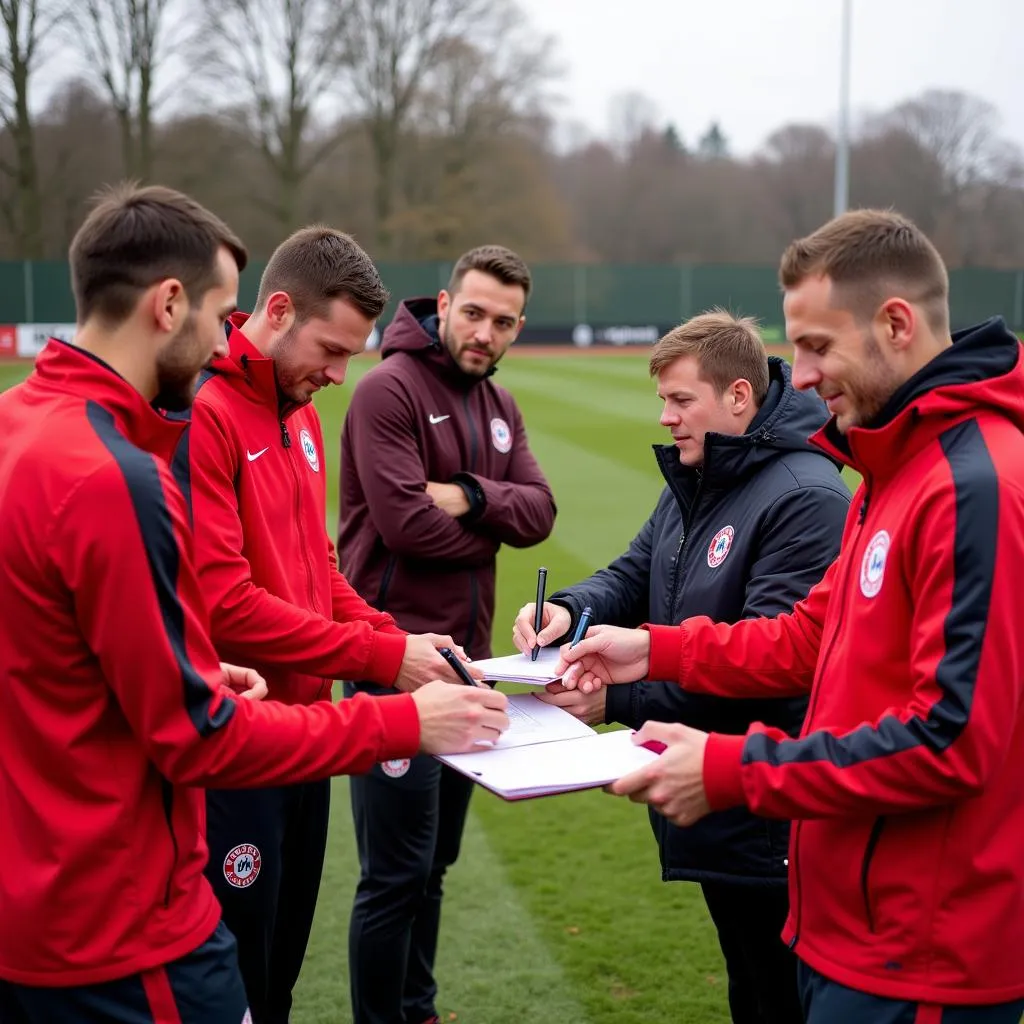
[[256, 472], [906, 867], [436, 474], [115, 708]]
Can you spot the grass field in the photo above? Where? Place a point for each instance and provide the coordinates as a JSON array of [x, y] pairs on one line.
[[556, 910]]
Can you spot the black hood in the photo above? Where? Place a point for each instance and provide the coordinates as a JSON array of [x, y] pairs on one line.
[[977, 369], [784, 423]]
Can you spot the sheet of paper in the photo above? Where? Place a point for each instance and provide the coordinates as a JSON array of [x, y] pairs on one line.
[[556, 767], [518, 668], [533, 721]]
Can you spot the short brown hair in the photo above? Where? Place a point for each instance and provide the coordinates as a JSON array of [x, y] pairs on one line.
[[495, 261], [319, 264], [136, 237], [726, 348], [870, 255]]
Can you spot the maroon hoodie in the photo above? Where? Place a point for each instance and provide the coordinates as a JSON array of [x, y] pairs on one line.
[[417, 418]]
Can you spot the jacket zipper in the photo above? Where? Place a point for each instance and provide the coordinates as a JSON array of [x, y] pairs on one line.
[[472, 434], [474, 586], [684, 540], [385, 582], [869, 853], [286, 442], [167, 792], [474, 600], [820, 674]]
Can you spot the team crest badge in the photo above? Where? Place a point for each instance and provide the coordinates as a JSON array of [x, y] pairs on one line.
[[242, 866], [720, 546], [501, 436], [397, 768], [309, 450], [872, 566]]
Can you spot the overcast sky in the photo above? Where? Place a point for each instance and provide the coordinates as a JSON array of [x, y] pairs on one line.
[[754, 65]]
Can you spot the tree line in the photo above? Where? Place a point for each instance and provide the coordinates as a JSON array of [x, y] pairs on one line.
[[427, 126]]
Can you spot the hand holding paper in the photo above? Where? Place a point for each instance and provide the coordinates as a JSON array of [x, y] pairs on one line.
[[587, 707], [674, 783]]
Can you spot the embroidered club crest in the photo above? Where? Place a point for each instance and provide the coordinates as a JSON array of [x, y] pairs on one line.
[[501, 436], [309, 450], [872, 566], [720, 546]]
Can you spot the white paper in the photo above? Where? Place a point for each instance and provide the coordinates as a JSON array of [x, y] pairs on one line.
[[518, 668], [533, 721], [557, 767]]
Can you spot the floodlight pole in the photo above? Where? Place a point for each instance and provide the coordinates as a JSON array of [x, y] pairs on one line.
[[842, 175]]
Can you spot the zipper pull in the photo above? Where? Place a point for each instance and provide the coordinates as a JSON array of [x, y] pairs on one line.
[[863, 514], [286, 441]]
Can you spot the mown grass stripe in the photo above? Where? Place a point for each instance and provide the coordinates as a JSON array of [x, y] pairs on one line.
[[492, 967]]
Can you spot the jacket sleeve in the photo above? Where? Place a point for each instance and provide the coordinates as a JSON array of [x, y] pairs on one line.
[[249, 623], [519, 510], [619, 594], [348, 606], [386, 458], [962, 561], [798, 540], [122, 546]]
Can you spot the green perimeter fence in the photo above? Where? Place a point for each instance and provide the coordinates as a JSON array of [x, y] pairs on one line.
[[612, 303]]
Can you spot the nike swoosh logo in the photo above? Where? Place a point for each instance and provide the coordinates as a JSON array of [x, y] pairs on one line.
[[438, 419], [253, 456]]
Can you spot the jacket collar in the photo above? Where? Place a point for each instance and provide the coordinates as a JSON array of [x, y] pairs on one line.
[[62, 366], [414, 329], [245, 363], [981, 369], [784, 423]]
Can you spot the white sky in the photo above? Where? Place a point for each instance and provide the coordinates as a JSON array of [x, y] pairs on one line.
[[754, 65]]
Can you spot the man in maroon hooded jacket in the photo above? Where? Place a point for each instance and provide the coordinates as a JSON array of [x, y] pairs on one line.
[[436, 475]]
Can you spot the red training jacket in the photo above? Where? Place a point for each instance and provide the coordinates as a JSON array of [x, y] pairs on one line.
[[113, 710], [907, 853], [268, 568]]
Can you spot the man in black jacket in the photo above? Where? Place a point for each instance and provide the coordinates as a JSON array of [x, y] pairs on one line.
[[750, 519]]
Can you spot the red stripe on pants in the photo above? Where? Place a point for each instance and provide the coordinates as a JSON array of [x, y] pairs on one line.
[[162, 1004]]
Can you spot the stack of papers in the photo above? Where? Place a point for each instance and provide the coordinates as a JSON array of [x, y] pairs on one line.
[[546, 751], [518, 668]]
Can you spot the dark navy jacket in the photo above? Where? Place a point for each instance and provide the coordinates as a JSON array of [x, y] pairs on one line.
[[747, 535]]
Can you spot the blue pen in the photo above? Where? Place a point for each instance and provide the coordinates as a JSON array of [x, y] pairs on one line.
[[582, 626]]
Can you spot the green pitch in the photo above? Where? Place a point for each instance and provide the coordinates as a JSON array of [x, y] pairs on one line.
[[556, 910]]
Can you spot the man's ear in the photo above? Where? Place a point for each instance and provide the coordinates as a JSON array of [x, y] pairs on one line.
[[280, 311], [897, 320], [739, 396], [168, 305]]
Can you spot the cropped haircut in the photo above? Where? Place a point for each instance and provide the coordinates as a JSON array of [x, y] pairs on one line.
[[725, 347], [496, 261], [317, 265], [870, 256], [136, 237]]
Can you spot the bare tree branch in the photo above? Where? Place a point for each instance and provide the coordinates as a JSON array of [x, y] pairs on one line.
[[280, 59], [24, 27], [124, 44]]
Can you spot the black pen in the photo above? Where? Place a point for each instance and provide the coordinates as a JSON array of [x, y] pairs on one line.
[[460, 670], [582, 625], [538, 615]]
